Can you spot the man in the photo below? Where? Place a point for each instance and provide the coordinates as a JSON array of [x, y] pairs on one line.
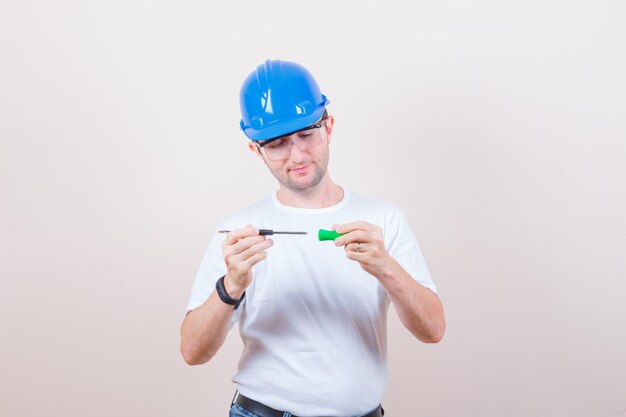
[[312, 316]]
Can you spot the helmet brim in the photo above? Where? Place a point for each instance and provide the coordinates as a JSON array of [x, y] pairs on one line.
[[280, 129]]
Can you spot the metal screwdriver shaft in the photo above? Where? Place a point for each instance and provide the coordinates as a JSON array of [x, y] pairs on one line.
[[268, 232]]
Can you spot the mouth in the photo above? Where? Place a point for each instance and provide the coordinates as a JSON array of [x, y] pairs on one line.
[[302, 169]]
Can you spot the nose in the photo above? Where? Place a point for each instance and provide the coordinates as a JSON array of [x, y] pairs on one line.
[[295, 154]]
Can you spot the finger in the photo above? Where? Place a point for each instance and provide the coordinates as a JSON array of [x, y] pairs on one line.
[[357, 225], [234, 235], [251, 251], [241, 244], [356, 256], [355, 247], [245, 243], [253, 260], [358, 247], [254, 256], [354, 236]]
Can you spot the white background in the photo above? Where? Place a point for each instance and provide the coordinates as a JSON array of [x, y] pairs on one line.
[[499, 127]]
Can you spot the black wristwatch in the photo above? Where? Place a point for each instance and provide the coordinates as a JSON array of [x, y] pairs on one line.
[[221, 291]]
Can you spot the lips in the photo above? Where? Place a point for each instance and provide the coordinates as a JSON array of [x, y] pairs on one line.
[[301, 170]]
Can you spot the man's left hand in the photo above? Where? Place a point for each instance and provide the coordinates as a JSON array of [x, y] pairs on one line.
[[364, 243]]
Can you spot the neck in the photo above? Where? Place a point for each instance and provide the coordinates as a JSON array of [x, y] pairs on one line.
[[324, 194]]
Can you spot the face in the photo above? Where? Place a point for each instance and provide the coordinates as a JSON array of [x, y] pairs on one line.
[[302, 170]]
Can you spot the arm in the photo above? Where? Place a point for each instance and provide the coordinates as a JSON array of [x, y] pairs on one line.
[[204, 329], [419, 309]]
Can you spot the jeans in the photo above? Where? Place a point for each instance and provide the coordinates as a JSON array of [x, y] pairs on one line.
[[238, 411]]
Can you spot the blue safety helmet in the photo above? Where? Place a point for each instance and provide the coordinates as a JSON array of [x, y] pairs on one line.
[[278, 98]]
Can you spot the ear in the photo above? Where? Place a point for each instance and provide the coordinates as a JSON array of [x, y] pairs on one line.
[[255, 149], [330, 123]]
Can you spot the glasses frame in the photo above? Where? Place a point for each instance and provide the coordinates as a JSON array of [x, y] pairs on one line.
[[317, 125]]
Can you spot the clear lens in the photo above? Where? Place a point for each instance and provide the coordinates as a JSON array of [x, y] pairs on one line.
[[305, 140]]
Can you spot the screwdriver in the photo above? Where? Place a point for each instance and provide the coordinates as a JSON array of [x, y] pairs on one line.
[[268, 232], [328, 234]]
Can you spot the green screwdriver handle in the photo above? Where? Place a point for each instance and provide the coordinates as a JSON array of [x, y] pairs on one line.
[[328, 234]]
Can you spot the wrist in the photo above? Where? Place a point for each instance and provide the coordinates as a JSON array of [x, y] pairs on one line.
[[387, 271], [233, 289], [225, 296]]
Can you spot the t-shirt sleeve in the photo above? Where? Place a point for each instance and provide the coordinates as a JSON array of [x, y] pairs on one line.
[[404, 248], [211, 269]]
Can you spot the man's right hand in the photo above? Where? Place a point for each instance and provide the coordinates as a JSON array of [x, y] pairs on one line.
[[205, 328], [242, 248]]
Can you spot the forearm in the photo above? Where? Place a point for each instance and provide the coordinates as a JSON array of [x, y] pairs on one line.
[[419, 309], [204, 330]]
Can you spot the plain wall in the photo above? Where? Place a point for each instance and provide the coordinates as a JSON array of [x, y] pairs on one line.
[[499, 127]]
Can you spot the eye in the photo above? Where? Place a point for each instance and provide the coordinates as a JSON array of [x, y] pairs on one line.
[[277, 143]]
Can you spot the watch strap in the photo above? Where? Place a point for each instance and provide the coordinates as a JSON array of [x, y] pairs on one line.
[[221, 291]]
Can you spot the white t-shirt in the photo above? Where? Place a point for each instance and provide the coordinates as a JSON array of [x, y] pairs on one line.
[[313, 323]]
